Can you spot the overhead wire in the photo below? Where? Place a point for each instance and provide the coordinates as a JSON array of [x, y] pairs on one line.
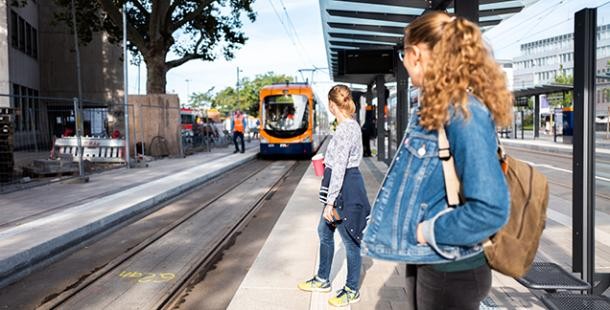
[[542, 14], [286, 29], [537, 21], [294, 30]]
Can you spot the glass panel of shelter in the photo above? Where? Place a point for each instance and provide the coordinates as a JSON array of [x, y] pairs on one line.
[[602, 155]]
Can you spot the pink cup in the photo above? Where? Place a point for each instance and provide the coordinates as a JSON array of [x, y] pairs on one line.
[[318, 164]]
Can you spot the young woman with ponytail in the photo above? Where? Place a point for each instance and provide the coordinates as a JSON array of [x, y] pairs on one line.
[[463, 93], [345, 201]]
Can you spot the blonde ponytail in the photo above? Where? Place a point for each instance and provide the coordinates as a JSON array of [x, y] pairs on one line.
[[341, 95]]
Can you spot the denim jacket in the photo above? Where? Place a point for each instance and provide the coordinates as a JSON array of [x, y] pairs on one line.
[[413, 192]]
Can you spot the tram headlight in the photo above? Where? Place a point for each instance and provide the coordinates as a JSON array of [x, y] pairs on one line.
[[264, 141], [307, 140]]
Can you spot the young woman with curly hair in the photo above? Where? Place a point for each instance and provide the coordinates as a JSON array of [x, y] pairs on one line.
[[463, 93]]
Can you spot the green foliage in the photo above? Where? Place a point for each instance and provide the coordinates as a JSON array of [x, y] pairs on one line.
[[227, 99], [562, 100], [191, 29], [202, 99], [528, 121]]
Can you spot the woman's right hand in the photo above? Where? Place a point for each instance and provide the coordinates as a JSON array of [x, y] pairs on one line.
[[328, 213]]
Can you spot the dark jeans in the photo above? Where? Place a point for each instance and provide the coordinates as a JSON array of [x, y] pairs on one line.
[[240, 135], [460, 290], [327, 250]]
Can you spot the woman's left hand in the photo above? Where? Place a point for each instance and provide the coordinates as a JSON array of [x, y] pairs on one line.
[[420, 234], [328, 213]]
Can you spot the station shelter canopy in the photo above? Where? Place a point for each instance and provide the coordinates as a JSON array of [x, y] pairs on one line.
[[362, 35]]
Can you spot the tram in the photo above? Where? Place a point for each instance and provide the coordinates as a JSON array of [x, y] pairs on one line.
[[292, 121]]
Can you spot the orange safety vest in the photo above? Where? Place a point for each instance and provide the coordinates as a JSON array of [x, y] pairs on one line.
[[238, 124]]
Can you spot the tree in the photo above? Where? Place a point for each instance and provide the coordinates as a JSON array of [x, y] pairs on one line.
[[564, 79], [227, 100], [199, 99], [190, 29]]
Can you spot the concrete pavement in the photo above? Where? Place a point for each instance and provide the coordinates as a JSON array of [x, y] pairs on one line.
[[39, 224], [290, 255]]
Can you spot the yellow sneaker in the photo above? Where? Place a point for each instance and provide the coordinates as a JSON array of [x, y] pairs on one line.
[[315, 284], [344, 297]]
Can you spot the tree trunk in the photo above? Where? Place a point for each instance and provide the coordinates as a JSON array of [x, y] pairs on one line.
[[156, 79]]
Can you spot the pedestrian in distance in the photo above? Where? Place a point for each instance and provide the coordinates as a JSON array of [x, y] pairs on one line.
[[255, 129], [464, 98], [238, 125], [345, 201], [368, 129]]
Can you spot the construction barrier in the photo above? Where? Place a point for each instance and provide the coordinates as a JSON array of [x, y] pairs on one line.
[[101, 150]]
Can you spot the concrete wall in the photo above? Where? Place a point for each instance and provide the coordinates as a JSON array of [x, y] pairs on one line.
[[101, 65], [4, 61], [154, 115], [24, 69]]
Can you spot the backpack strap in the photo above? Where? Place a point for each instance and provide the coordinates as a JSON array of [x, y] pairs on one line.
[[452, 182]]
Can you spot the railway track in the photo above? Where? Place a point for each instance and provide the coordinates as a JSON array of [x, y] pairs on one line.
[[156, 273], [559, 160], [599, 159]]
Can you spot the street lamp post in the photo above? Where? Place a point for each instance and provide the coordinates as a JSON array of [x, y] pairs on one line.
[[237, 86], [187, 89], [78, 106], [125, 85], [139, 71]]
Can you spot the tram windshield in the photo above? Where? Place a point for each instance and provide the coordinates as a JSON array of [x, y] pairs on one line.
[[286, 115]]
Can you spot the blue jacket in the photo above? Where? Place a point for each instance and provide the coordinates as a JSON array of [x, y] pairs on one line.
[[413, 192], [352, 204]]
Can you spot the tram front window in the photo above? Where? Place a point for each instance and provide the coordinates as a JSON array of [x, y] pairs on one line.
[[286, 116]]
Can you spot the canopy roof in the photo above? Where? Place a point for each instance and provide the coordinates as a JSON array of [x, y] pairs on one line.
[[352, 25], [541, 90]]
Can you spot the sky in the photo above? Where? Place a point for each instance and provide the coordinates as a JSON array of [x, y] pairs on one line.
[[270, 48], [542, 19]]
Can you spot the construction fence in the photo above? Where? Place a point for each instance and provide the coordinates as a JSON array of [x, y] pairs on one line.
[[50, 136]]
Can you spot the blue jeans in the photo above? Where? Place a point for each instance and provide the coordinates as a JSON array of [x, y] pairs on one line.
[[327, 250]]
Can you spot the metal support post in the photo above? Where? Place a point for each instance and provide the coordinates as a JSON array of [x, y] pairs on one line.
[[125, 86], [522, 129], [381, 102], [554, 127], [608, 124], [536, 116], [78, 114], [135, 134], [77, 127], [583, 178], [467, 9], [402, 99], [141, 130], [237, 89], [515, 124], [33, 128], [181, 146]]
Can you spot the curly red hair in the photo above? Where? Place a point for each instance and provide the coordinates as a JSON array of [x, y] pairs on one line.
[[460, 64]]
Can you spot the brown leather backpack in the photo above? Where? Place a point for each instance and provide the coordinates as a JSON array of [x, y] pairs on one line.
[[512, 249]]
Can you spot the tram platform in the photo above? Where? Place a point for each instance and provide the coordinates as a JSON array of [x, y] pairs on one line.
[[291, 251], [52, 218], [547, 143]]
